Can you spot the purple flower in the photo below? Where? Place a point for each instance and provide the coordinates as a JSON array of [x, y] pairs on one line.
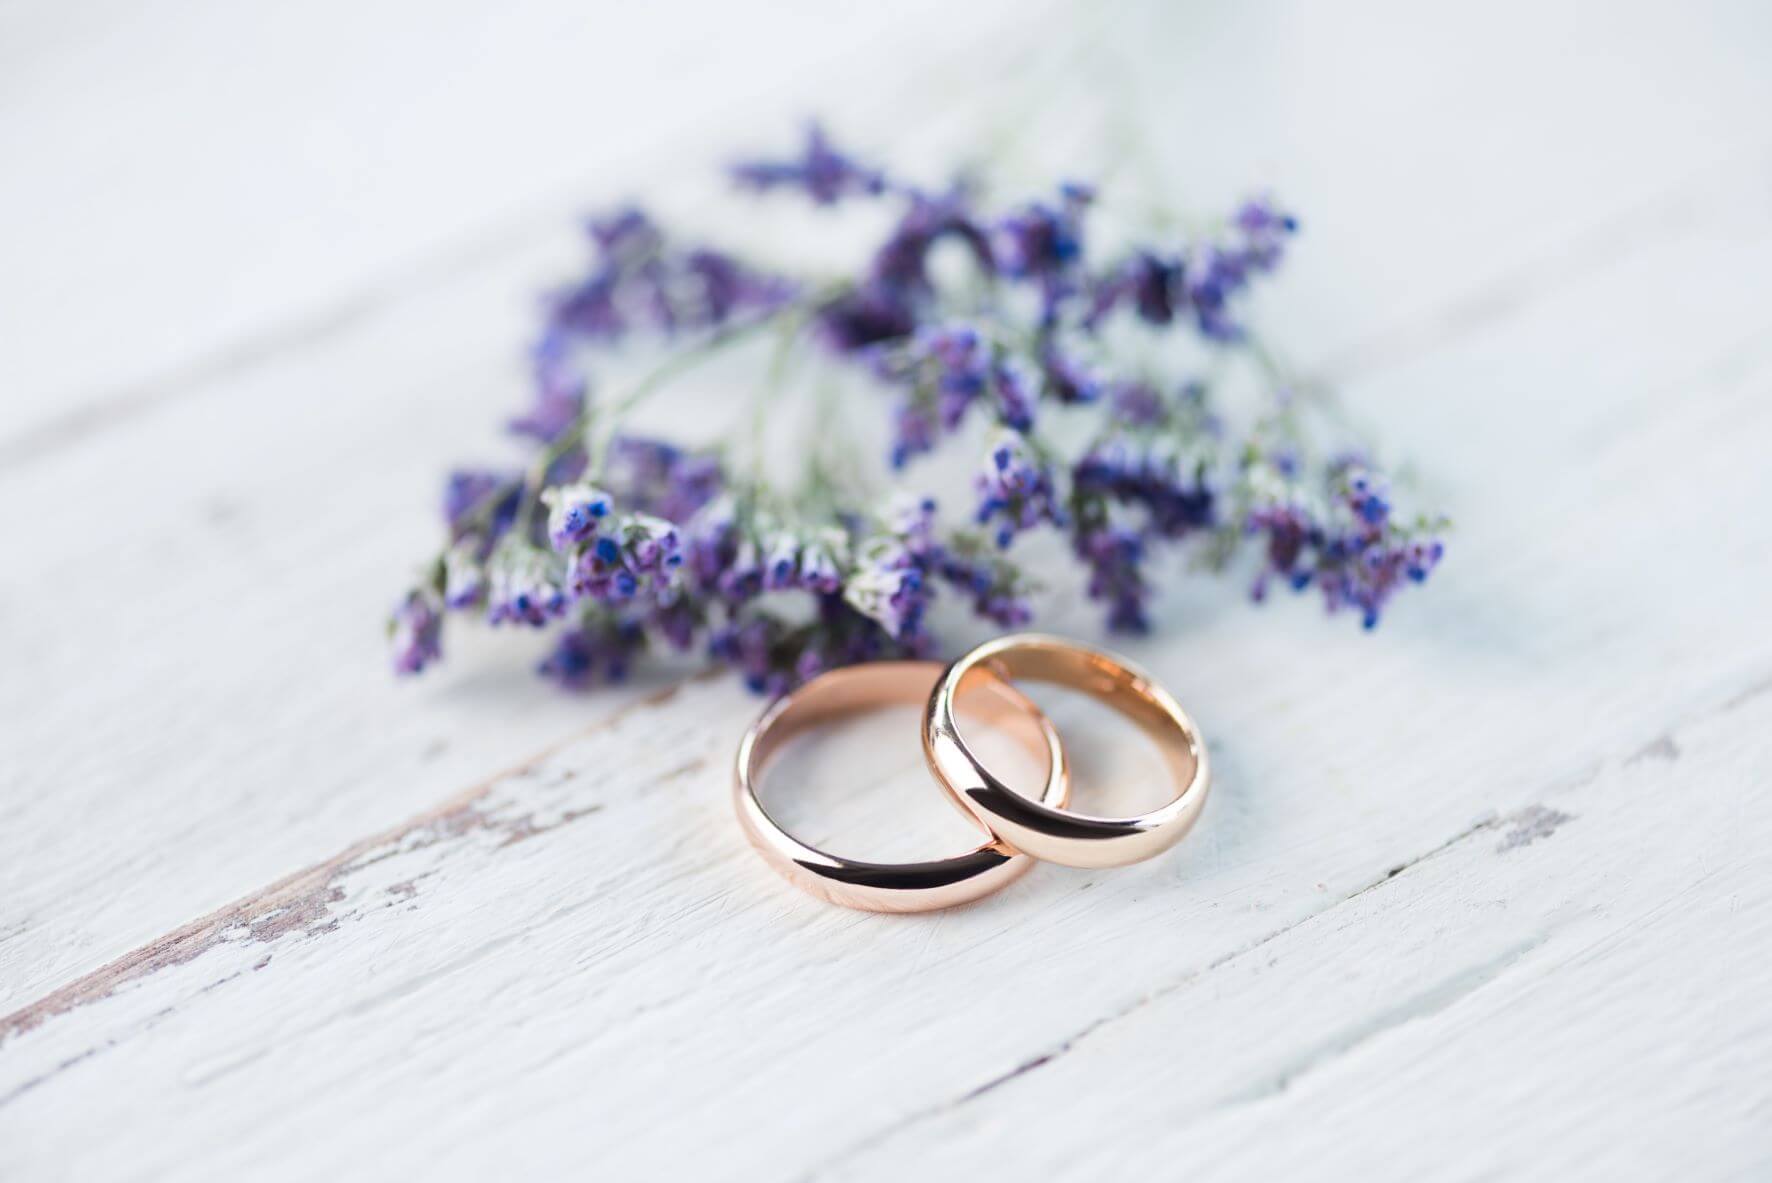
[[715, 288], [524, 585], [588, 308], [810, 561], [821, 171], [559, 391], [1211, 277], [773, 656], [1067, 379], [1265, 228], [950, 368], [592, 308], [953, 358], [914, 431], [1041, 239], [638, 278], [1364, 556], [1016, 489], [1154, 282], [464, 580], [902, 262], [755, 647], [575, 513], [742, 576], [1114, 553], [599, 647], [890, 300], [1288, 529], [887, 586], [640, 553], [911, 520], [480, 503], [993, 586], [821, 559], [1015, 401], [1171, 484], [1365, 495], [1044, 242], [1151, 282], [415, 631], [1203, 279], [781, 563], [677, 618], [657, 477], [790, 577], [865, 315], [1351, 548], [624, 234], [1364, 577], [711, 546]]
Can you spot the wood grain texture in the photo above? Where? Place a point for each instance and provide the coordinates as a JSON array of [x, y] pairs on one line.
[[1484, 895]]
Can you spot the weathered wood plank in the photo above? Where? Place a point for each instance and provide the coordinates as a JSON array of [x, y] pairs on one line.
[[1433, 855], [1573, 990], [478, 994], [282, 493]]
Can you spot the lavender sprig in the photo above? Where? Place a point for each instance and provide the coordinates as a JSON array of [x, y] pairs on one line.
[[618, 541]]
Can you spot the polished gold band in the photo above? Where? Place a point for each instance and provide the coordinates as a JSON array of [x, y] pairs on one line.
[[1045, 829], [890, 887]]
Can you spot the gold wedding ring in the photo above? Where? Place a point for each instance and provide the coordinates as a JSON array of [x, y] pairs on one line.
[[1019, 828], [1042, 829], [890, 887]]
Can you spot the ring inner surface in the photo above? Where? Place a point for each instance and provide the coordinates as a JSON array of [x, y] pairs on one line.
[[1102, 679], [862, 690]]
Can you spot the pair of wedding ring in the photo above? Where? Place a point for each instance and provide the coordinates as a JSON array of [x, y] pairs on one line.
[[1019, 828]]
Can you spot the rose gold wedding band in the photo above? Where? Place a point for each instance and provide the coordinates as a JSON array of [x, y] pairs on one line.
[[889, 887], [1043, 829]]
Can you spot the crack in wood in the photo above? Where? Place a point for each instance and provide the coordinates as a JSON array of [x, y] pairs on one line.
[[1754, 691], [302, 903], [1525, 826], [1427, 1003], [1064, 1046]]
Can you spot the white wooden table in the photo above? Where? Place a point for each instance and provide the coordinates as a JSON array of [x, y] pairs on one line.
[[1483, 895]]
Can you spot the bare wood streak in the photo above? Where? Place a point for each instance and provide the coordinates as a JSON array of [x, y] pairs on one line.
[[303, 901]]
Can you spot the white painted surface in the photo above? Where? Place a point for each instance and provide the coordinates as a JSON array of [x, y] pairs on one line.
[[1484, 895]]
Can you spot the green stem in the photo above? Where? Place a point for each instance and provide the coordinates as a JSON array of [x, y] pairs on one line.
[[1315, 395], [652, 382], [576, 433], [774, 382]]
